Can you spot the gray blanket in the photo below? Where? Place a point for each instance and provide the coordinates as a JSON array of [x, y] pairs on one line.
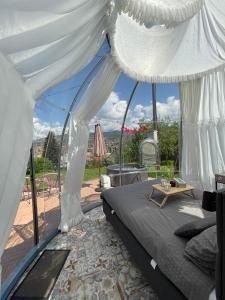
[[154, 229]]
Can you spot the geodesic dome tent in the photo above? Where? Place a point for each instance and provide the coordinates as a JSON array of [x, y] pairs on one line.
[[45, 42]]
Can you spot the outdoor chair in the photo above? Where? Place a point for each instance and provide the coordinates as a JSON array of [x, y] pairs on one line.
[[52, 183], [27, 192]]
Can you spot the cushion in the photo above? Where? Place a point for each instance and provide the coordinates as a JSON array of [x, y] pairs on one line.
[[202, 250], [209, 201], [193, 228], [220, 268]]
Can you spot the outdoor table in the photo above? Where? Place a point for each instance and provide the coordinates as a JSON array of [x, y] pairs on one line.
[[171, 192]]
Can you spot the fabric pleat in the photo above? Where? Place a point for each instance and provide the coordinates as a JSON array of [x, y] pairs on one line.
[[166, 12], [159, 54], [16, 134], [203, 130], [92, 100]]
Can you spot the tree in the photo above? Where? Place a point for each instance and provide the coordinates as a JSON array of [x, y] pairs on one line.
[[43, 164], [169, 141], [131, 149], [51, 149], [168, 135]]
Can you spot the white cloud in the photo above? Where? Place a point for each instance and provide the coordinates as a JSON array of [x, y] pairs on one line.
[[169, 109], [111, 114], [139, 111], [42, 128], [113, 109]]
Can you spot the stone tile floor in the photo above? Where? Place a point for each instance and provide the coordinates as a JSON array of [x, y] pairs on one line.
[[98, 266]]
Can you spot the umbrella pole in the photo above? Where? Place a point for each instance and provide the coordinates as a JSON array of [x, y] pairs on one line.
[[99, 171], [98, 189]]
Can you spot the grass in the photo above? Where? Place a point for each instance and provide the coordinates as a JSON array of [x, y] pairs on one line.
[[166, 171], [90, 173], [93, 173], [42, 186]]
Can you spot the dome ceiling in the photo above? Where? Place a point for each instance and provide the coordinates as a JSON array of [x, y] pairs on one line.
[[159, 53]]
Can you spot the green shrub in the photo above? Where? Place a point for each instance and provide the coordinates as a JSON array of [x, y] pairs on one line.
[[28, 169], [93, 173], [169, 163], [168, 141], [166, 172], [43, 164], [51, 149], [110, 160], [131, 147]]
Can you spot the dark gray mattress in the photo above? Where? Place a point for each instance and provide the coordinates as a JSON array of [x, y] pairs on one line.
[[154, 229]]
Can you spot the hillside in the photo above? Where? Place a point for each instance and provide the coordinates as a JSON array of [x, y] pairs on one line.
[[108, 136]]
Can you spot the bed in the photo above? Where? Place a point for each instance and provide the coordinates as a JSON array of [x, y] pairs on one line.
[[148, 233]]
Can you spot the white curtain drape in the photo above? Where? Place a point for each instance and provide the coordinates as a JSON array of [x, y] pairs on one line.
[[95, 96], [49, 41], [16, 116], [42, 43], [203, 129], [160, 54], [168, 12]]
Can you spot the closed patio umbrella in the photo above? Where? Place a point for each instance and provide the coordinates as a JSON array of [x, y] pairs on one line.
[[99, 146]]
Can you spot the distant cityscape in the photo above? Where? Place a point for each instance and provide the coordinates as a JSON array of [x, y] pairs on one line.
[[112, 139]]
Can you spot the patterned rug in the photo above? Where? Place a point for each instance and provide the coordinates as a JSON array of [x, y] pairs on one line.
[[98, 266]]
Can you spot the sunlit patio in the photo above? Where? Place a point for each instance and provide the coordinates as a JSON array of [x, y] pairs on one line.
[[22, 234]]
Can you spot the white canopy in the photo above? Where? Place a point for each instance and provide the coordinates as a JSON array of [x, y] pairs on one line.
[[49, 41], [160, 54], [45, 42], [168, 12]]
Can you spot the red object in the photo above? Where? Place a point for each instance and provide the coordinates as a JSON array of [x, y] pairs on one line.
[[133, 131]]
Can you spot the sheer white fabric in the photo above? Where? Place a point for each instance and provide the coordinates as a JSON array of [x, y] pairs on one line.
[[169, 12], [95, 96], [203, 130], [185, 52], [49, 41], [16, 117]]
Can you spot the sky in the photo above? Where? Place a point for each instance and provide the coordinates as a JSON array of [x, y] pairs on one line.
[[52, 107]]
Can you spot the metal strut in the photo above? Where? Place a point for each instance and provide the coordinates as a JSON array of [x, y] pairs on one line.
[[154, 106], [68, 116], [122, 129]]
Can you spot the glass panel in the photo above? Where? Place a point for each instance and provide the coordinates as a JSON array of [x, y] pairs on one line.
[[48, 129], [50, 114], [161, 158], [168, 110], [20, 241], [64, 157], [110, 118], [90, 192], [169, 135]]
